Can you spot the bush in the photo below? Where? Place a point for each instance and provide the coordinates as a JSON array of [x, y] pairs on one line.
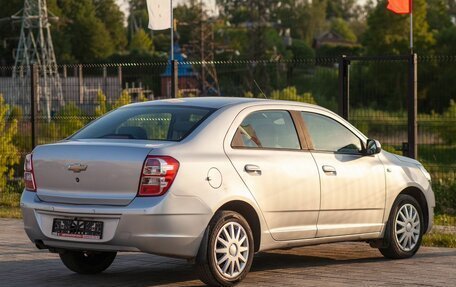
[[448, 129], [69, 120], [101, 108], [291, 94], [123, 100], [445, 196], [9, 154]]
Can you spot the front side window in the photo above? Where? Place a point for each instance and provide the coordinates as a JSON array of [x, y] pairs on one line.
[[165, 123], [329, 135], [267, 129]]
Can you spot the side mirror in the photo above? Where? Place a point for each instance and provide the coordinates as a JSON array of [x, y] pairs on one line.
[[373, 147]]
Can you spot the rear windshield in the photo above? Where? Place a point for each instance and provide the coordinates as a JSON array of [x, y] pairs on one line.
[[163, 123]]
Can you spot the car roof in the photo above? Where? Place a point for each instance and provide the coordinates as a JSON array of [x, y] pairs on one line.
[[216, 102]]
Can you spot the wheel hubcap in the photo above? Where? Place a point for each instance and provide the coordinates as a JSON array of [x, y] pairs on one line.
[[231, 250], [407, 227]]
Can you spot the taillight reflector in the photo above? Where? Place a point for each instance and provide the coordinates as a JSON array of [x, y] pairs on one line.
[[157, 175], [29, 176]]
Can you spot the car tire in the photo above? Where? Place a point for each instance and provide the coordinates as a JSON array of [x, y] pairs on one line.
[[230, 249], [404, 230], [87, 262]]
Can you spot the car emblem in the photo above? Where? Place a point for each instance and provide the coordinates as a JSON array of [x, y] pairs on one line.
[[77, 167]]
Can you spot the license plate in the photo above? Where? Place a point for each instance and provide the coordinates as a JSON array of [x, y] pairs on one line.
[[75, 228]]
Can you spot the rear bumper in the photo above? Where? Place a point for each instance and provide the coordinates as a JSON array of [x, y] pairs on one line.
[[168, 225]]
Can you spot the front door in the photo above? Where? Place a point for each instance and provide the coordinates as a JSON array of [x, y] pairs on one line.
[[352, 185]]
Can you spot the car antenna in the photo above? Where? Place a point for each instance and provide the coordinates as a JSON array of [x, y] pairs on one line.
[[261, 91]]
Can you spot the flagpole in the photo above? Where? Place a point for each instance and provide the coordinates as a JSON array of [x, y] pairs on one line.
[[172, 31], [411, 26], [174, 64]]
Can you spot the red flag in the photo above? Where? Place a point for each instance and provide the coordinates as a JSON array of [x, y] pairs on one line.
[[400, 6]]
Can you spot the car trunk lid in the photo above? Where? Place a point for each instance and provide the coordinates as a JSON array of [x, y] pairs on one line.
[[99, 172]]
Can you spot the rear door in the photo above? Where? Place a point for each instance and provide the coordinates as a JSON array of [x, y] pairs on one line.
[[264, 148], [352, 185]]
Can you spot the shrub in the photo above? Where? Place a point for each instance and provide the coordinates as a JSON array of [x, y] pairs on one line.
[[123, 100], [101, 108], [445, 196], [291, 94], [9, 154], [448, 129]]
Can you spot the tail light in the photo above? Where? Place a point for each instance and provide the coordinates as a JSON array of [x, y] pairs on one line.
[[157, 175], [29, 177]]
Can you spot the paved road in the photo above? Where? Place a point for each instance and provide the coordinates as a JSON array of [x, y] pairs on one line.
[[347, 264]]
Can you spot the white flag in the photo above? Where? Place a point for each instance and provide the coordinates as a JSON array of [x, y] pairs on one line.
[[159, 14]]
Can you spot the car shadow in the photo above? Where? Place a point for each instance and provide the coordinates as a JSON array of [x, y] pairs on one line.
[[149, 270]]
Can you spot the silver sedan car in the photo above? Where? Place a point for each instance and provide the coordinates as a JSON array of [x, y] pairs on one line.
[[215, 180]]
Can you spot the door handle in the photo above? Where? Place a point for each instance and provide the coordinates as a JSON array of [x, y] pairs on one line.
[[252, 169], [329, 169]]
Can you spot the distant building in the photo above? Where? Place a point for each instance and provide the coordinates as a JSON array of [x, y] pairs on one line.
[[188, 77], [332, 39]]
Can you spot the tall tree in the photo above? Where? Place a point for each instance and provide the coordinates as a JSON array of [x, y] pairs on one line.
[[90, 40], [345, 9], [141, 43], [388, 33], [113, 19], [310, 20]]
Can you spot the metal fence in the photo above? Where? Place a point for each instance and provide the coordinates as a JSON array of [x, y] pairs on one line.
[[378, 104]]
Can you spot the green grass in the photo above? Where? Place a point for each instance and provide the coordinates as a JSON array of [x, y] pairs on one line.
[[9, 205], [440, 240], [437, 154], [10, 212], [445, 220]]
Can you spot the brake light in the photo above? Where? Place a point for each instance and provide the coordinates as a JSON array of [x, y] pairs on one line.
[[29, 177], [157, 175]]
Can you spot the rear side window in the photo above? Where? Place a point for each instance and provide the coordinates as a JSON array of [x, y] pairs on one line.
[[166, 123], [329, 135], [267, 129]]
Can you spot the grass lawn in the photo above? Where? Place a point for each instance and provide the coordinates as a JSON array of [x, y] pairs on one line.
[[440, 240], [10, 212], [445, 220], [9, 205]]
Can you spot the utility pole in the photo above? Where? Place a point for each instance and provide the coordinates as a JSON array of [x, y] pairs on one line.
[[209, 80], [36, 48], [203, 50]]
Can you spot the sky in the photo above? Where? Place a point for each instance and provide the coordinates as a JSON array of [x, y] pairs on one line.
[[124, 6], [209, 3]]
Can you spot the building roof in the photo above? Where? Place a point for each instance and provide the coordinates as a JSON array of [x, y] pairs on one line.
[[185, 68], [332, 38]]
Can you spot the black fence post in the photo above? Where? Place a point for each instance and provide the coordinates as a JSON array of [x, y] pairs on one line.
[[174, 79], [344, 87], [34, 79], [412, 106]]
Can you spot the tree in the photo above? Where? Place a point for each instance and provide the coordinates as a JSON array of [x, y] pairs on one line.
[[9, 154], [113, 19], [259, 21], [344, 9], [310, 20], [341, 27], [388, 33], [87, 30], [89, 38], [141, 43]]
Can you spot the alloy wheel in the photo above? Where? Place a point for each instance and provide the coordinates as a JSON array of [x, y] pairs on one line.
[[231, 250], [408, 227]]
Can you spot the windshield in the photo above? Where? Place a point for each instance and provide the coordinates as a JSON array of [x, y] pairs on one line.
[[163, 123]]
